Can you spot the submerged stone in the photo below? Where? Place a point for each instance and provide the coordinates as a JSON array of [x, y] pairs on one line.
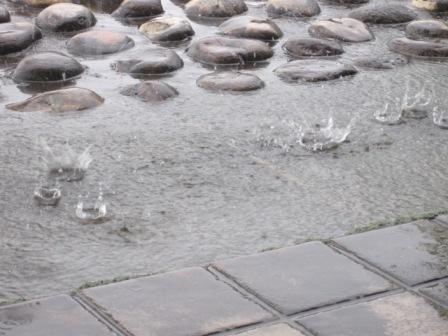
[[251, 27], [313, 70], [47, 67], [345, 29], [425, 49], [427, 29], [431, 5], [308, 47], [138, 9], [384, 13], [4, 15], [167, 29], [297, 8], [215, 8], [381, 63], [17, 36], [65, 17], [230, 81], [224, 50], [150, 91], [71, 99], [99, 43]]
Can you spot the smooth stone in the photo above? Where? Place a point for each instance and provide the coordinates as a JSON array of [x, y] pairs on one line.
[[215, 8], [17, 36], [150, 91], [251, 27], [309, 47], [167, 29], [71, 99], [230, 81], [344, 29], [45, 3], [425, 49], [427, 29], [154, 61], [47, 66], [216, 50], [297, 8], [384, 13], [65, 17], [380, 63], [431, 5], [313, 70], [138, 9], [99, 43], [4, 15]]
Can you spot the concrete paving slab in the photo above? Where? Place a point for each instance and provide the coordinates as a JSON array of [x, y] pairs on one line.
[[55, 316], [182, 303], [396, 315], [438, 292], [414, 253], [302, 277], [281, 329]]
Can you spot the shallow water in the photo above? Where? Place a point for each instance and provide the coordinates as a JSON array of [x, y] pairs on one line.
[[188, 179]]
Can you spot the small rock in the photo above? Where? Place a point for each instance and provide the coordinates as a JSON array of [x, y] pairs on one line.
[[314, 70], [215, 8], [345, 29], [424, 49], [380, 63], [99, 43], [431, 5], [225, 50], [251, 27], [65, 17], [17, 36], [230, 81], [310, 47], [150, 91], [167, 29], [138, 9], [384, 13], [71, 99], [4, 15], [297, 8], [47, 67], [427, 29]]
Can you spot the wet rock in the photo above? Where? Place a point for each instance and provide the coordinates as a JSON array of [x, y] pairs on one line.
[[308, 47], [44, 3], [4, 15], [297, 8], [215, 8], [427, 29], [431, 5], [167, 29], [154, 61], [150, 91], [424, 49], [138, 9], [345, 29], [17, 36], [224, 50], [380, 63], [251, 27], [65, 17], [314, 70], [71, 99], [47, 66], [384, 13], [230, 81], [99, 43]]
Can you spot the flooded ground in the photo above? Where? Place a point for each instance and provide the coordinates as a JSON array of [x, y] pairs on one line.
[[191, 179]]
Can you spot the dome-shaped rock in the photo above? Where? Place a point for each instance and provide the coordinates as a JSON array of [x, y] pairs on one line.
[[251, 27], [427, 29], [150, 91], [309, 47], [17, 36], [99, 43], [230, 81], [384, 13], [424, 49], [215, 8], [297, 8], [65, 17], [4, 15], [138, 8], [345, 29], [167, 29]]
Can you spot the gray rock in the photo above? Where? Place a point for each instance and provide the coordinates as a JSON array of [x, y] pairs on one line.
[[65, 17], [216, 50], [4, 15], [230, 81], [381, 63], [47, 67], [313, 70], [427, 29], [384, 13], [99, 43], [17, 36], [215, 8], [150, 91], [297, 8], [431, 5], [251, 27], [345, 29], [167, 29], [71, 99], [309, 47], [424, 49], [138, 9]]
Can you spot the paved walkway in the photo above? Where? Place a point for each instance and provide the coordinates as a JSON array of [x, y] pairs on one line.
[[391, 281]]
